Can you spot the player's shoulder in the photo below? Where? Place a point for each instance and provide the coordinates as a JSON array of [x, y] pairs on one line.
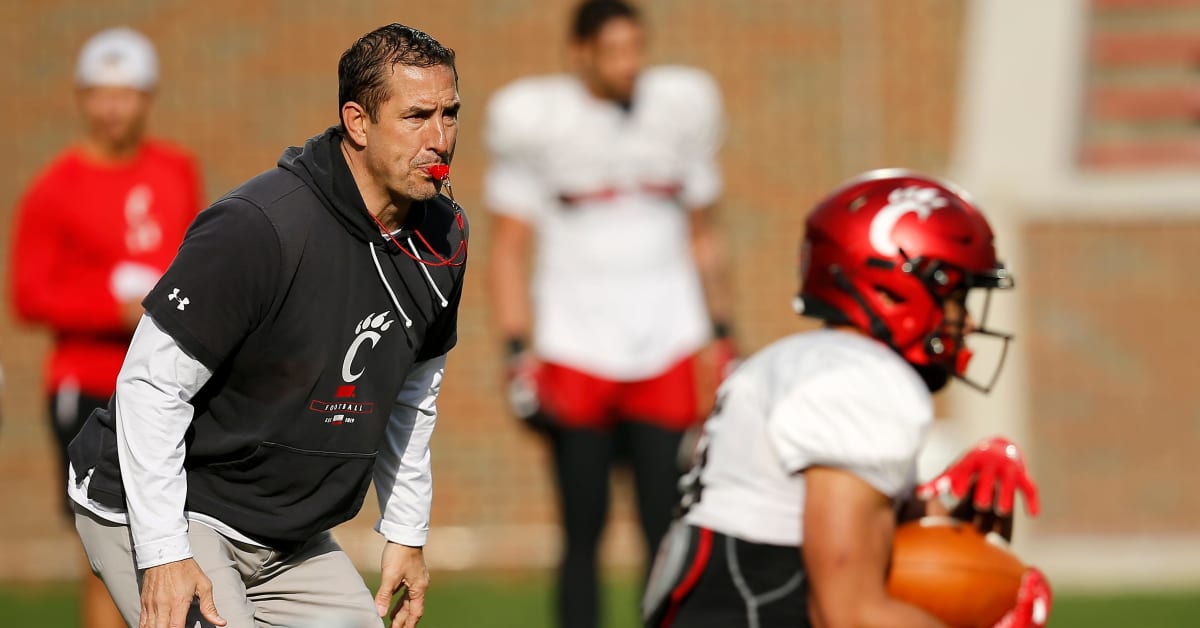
[[66, 162], [56, 174], [530, 94], [829, 347], [517, 113], [683, 98], [837, 363], [679, 79]]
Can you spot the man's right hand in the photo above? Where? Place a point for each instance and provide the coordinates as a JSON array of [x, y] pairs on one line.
[[168, 591]]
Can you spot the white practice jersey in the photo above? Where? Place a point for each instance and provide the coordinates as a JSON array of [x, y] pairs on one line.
[[608, 191], [821, 398]]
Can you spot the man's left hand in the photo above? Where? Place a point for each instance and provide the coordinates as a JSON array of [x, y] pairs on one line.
[[402, 567], [994, 467]]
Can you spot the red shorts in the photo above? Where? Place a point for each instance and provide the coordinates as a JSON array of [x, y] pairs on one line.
[[578, 400]]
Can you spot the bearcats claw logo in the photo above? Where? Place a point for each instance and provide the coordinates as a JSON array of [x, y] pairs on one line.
[[369, 330], [902, 201]]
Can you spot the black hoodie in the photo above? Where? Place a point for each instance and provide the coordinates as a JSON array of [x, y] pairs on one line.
[[309, 319]]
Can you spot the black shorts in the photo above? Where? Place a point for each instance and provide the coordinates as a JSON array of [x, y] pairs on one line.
[[726, 582], [69, 409]]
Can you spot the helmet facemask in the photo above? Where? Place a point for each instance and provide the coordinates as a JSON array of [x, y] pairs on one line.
[[964, 302]]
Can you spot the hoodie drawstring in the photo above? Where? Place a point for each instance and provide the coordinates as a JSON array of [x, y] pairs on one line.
[[375, 257], [428, 277]]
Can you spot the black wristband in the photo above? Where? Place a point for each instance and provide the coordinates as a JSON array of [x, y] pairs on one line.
[[721, 330], [515, 346]]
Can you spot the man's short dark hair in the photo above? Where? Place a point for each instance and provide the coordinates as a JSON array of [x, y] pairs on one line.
[[592, 15], [364, 68]]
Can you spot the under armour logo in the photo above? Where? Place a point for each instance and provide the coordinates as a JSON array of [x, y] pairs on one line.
[[183, 301]]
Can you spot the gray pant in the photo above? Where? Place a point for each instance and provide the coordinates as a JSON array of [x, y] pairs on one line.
[[253, 587]]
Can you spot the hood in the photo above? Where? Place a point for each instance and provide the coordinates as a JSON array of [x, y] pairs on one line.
[[321, 165]]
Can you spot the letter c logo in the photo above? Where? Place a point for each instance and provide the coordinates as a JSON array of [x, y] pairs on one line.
[[347, 363]]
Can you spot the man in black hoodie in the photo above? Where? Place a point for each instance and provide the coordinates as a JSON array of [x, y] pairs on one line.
[[293, 351]]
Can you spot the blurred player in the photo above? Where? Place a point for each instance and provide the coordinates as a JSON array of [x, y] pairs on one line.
[[609, 174], [812, 447], [94, 232]]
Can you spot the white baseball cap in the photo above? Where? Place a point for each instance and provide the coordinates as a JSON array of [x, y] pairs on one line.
[[120, 57]]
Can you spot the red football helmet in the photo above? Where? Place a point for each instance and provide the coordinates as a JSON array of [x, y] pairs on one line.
[[886, 250]]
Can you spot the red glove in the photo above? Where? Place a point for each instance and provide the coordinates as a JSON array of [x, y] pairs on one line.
[[1033, 603], [993, 460]]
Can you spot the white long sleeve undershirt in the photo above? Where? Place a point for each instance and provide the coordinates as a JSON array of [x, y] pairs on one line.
[[155, 385], [403, 476]]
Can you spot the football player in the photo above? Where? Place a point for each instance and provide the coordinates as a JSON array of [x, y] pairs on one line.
[[811, 451], [608, 173]]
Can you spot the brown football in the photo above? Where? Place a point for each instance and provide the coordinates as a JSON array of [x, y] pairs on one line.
[[955, 573]]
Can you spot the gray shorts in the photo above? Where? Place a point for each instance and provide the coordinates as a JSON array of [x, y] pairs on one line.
[[253, 587]]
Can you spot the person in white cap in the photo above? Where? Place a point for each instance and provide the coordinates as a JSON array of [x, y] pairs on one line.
[[95, 230]]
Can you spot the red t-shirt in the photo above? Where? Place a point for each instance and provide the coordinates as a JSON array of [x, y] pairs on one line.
[[77, 222]]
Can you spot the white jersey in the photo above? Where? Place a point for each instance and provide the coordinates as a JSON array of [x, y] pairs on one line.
[[608, 191], [828, 398]]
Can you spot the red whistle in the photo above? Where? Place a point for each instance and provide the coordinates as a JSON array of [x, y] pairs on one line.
[[439, 172]]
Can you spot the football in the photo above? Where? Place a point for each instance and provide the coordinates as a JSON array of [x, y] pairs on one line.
[[954, 572]]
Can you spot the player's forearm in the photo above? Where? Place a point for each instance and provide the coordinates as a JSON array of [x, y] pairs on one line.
[[709, 254], [878, 611], [892, 613], [508, 279], [152, 416], [403, 474], [509, 283]]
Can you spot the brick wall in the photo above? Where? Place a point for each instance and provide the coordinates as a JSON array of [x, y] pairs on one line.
[[814, 94], [1114, 411]]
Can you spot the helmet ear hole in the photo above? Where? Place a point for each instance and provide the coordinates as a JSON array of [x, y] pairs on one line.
[[942, 280], [888, 296]]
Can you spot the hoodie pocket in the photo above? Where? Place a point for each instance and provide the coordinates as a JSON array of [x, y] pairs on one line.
[[288, 493]]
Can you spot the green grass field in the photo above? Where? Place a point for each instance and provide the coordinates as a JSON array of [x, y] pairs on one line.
[[523, 601]]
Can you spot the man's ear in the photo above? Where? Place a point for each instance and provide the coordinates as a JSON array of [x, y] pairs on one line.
[[355, 119]]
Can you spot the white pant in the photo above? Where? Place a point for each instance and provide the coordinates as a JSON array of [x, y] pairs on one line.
[[253, 587]]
